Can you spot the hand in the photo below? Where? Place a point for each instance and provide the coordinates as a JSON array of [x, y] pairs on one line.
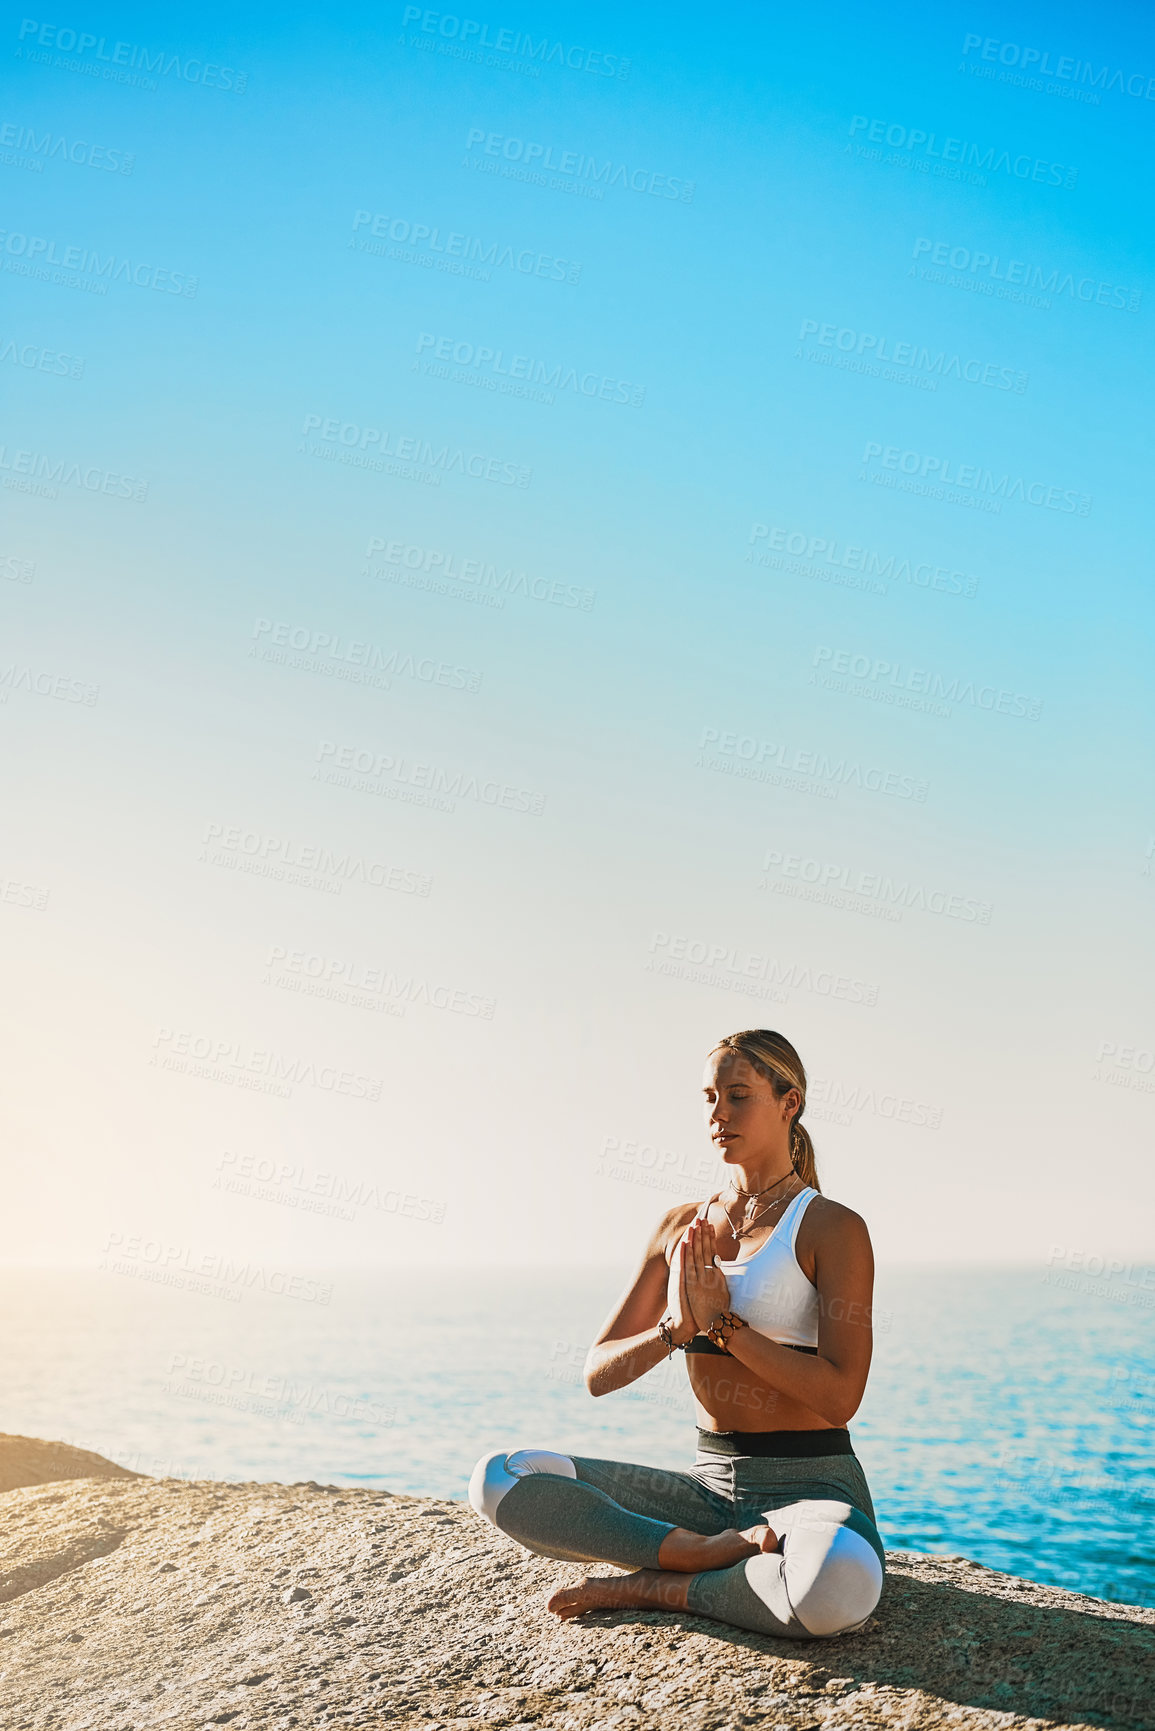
[[706, 1290], [682, 1324]]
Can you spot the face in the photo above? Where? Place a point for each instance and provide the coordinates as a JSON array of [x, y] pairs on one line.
[[748, 1126]]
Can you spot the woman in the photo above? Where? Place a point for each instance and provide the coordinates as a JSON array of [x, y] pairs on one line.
[[766, 1288]]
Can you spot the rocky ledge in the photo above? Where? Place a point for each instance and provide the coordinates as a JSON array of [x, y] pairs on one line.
[[128, 1603]]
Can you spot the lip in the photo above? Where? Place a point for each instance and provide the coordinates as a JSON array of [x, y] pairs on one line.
[[726, 1136]]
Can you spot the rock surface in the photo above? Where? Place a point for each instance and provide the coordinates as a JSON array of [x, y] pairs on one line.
[[26, 1461], [128, 1603]]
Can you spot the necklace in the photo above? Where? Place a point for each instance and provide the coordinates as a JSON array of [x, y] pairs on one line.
[[738, 1190], [740, 1232]]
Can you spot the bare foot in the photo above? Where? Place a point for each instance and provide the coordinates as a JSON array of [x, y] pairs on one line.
[[765, 1538], [664, 1589], [651, 1587], [689, 1553]]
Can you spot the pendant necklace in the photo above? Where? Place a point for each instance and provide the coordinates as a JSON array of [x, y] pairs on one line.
[[749, 1225]]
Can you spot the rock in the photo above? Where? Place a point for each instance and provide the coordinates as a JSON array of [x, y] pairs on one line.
[[25, 1460], [419, 1624]]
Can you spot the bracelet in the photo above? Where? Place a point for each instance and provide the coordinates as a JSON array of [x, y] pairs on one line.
[[666, 1336], [724, 1325]]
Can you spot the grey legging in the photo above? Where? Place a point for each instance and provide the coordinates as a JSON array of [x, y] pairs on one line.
[[825, 1579]]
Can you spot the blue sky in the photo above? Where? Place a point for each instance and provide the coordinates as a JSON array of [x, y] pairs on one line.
[[774, 328]]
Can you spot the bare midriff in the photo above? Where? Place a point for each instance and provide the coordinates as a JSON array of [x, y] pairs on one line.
[[728, 1396]]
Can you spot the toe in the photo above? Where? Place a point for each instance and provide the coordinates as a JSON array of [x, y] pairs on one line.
[[570, 1601]]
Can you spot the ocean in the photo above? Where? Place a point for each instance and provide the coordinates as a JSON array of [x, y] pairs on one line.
[[1008, 1416]]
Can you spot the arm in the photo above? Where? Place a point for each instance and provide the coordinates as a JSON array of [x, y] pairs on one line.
[[629, 1344], [832, 1384]]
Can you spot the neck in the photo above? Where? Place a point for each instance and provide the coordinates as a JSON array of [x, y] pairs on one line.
[[775, 1171]]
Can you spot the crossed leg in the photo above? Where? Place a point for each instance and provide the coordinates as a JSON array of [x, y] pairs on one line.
[[810, 1568], [582, 1510]]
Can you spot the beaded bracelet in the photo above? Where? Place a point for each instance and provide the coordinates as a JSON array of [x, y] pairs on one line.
[[723, 1327], [666, 1336]]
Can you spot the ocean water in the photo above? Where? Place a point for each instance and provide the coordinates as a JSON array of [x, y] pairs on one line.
[[1008, 1416]]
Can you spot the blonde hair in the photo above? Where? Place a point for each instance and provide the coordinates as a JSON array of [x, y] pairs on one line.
[[774, 1057]]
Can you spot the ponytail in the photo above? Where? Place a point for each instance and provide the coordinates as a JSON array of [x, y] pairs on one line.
[[802, 1154], [774, 1057]]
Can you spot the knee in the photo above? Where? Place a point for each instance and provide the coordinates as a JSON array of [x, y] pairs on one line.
[[487, 1484], [834, 1581], [495, 1475]]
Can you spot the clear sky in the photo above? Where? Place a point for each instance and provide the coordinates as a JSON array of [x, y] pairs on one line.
[[535, 540]]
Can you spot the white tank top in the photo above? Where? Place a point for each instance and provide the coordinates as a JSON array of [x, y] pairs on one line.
[[768, 1290]]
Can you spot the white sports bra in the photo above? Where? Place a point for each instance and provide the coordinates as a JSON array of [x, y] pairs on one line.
[[768, 1290]]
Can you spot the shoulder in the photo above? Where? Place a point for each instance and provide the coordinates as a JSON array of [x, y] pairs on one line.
[[830, 1222], [834, 1244]]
